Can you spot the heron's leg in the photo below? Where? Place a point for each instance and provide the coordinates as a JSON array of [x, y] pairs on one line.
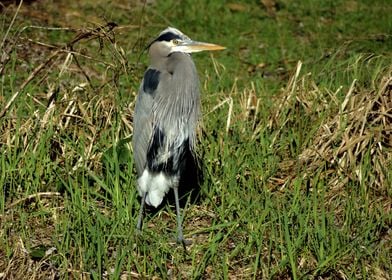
[[141, 211], [180, 236]]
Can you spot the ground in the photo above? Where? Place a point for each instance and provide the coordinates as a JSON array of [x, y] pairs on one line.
[[294, 144]]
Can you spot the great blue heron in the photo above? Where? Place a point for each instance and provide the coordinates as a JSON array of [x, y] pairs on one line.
[[166, 115]]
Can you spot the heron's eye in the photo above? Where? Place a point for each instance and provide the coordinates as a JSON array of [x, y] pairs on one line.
[[175, 41]]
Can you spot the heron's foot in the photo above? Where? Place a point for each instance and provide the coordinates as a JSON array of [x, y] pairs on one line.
[[184, 242], [180, 241]]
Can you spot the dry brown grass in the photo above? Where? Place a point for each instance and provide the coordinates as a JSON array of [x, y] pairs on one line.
[[357, 129]]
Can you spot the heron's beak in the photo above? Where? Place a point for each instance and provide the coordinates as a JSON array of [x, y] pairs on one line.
[[190, 46]]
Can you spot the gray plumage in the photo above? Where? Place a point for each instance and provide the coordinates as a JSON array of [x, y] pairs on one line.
[[173, 108], [166, 114]]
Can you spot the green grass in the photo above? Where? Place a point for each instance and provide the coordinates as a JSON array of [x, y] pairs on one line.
[[296, 156]]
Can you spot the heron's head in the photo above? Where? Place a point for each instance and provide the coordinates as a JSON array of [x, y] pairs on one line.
[[173, 40]]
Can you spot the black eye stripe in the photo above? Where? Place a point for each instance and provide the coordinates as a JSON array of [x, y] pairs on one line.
[[167, 37]]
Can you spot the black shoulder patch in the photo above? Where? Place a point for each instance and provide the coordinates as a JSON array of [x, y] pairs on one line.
[[151, 81], [168, 36]]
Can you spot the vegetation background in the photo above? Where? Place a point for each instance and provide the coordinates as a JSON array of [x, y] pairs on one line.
[[295, 141]]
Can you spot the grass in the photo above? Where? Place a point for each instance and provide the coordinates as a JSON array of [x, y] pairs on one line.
[[295, 142]]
